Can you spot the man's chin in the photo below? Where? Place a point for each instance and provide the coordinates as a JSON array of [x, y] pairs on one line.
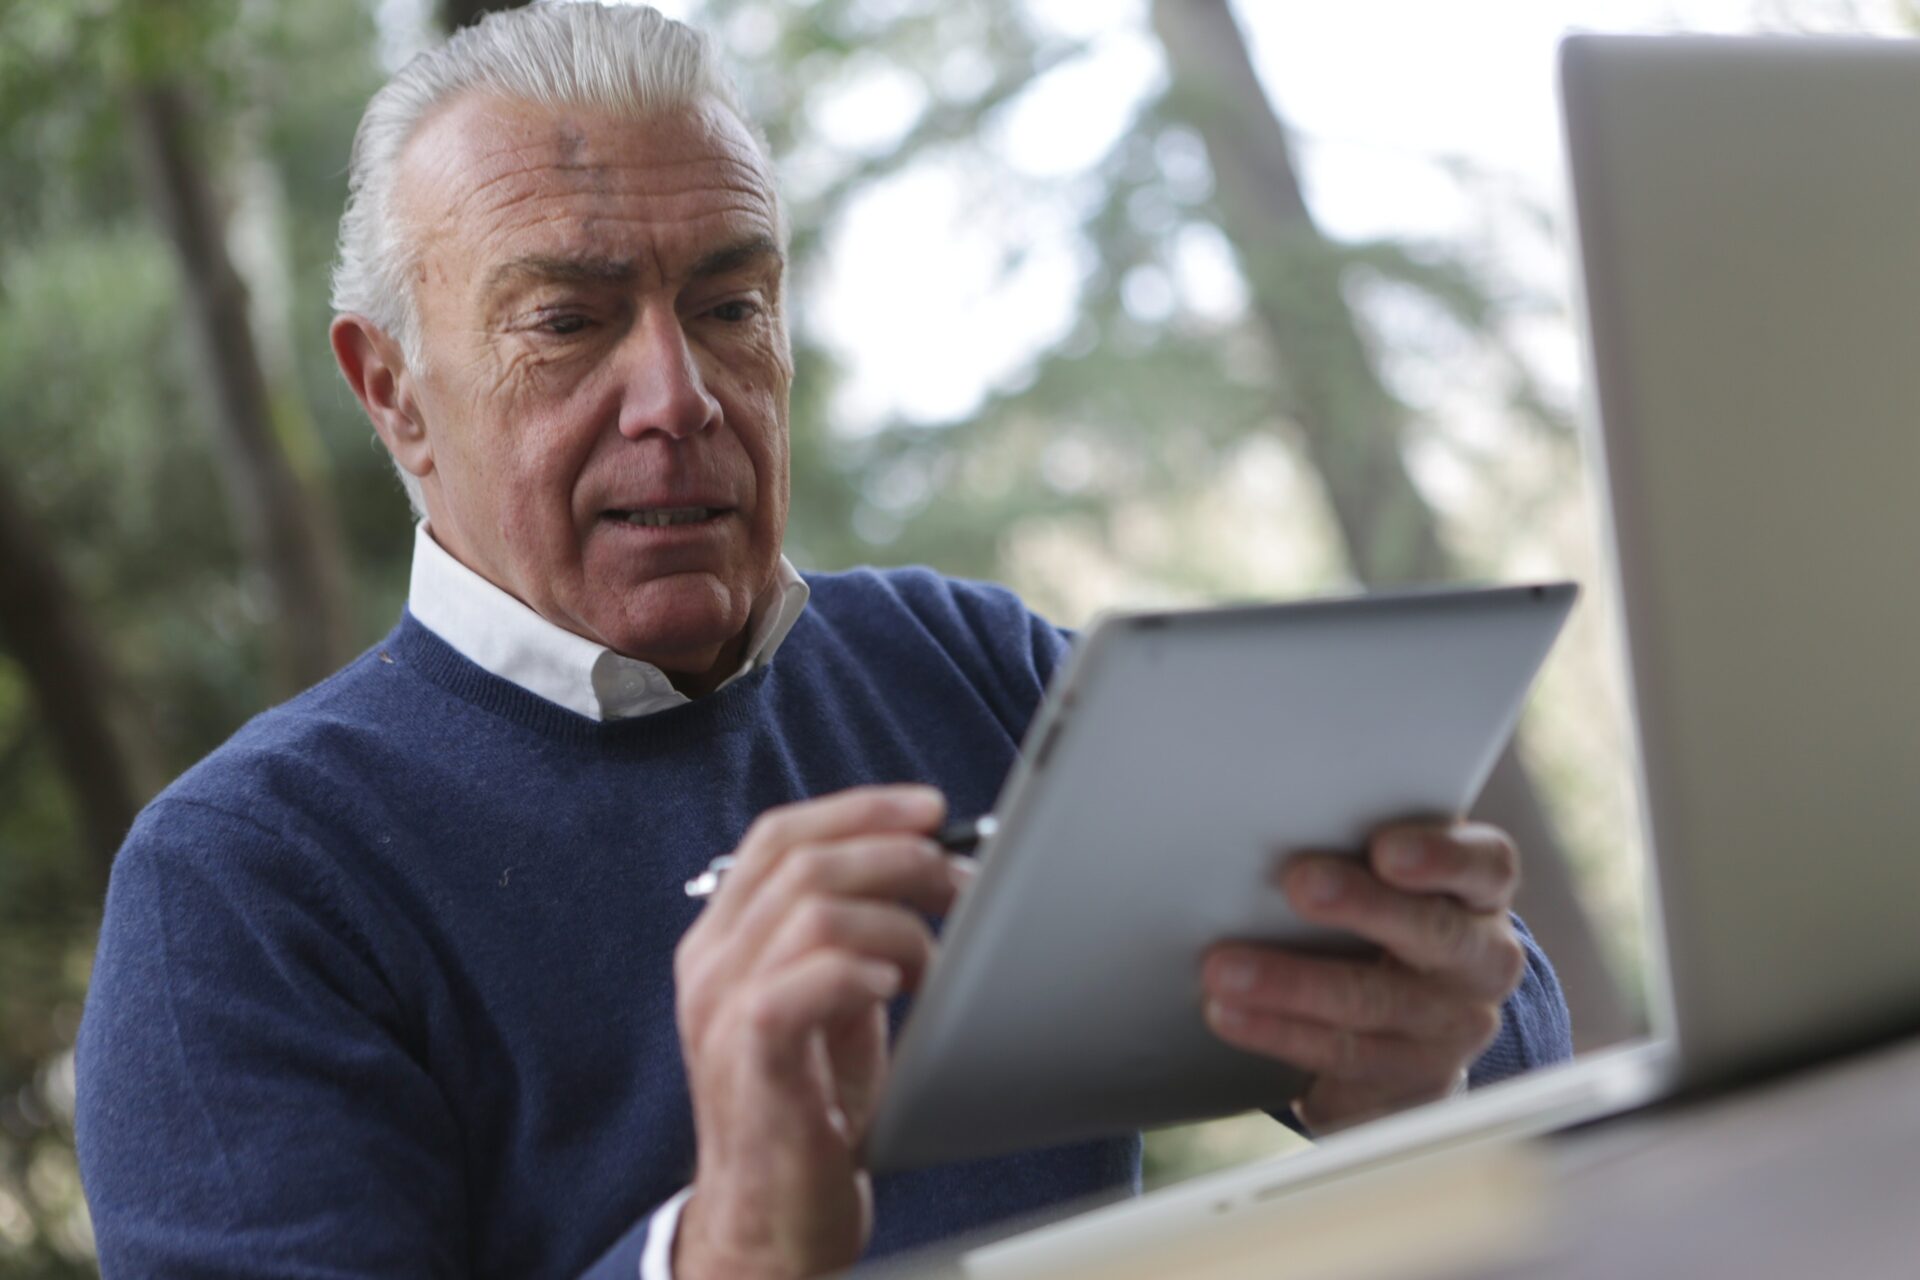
[[683, 624]]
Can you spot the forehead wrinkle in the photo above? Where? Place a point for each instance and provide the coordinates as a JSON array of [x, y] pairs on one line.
[[645, 179], [501, 129], [475, 143], [643, 203], [748, 196], [559, 149], [606, 235]]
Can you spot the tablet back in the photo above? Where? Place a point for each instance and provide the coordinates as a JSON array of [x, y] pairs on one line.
[[1178, 759]]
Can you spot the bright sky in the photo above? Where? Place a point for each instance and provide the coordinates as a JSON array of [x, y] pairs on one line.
[[1378, 92]]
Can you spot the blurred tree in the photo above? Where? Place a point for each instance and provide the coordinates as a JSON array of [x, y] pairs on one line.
[[135, 634], [1350, 423], [79, 702], [283, 523]]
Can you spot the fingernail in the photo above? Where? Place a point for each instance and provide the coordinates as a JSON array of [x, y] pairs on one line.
[[1236, 974], [1403, 854], [1322, 884], [885, 979], [961, 872], [1225, 1016]]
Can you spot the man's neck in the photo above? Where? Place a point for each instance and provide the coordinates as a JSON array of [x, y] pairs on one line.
[[698, 684]]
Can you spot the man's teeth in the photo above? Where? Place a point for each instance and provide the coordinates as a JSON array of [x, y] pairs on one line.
[[667, 515]]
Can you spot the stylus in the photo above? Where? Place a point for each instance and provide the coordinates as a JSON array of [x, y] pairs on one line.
[[963, 836]]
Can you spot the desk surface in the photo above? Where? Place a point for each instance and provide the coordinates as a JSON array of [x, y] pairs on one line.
[[1814, 1175]]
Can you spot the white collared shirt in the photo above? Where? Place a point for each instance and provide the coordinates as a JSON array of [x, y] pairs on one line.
[[502, 636]]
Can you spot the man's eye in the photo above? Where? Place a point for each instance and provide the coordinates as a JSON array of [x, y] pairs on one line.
[[738, 311], [562, 325]]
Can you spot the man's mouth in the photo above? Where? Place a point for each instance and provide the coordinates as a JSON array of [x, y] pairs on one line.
[[659, 517]]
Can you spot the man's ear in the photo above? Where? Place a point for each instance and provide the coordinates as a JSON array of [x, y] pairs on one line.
[[378, 374]]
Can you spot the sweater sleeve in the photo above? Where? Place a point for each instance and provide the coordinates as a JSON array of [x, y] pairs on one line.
[[1535, 1027], [251, 1102], [248, 1105], [1021, 650]]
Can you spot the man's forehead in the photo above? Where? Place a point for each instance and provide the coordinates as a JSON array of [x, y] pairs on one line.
[[578, 176]]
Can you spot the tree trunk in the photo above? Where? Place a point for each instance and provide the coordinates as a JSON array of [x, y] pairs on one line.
[[42, 626], [285, 531], [1351, 426]]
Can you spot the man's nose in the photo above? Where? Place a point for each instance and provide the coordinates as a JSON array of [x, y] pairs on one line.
[[664, 389]]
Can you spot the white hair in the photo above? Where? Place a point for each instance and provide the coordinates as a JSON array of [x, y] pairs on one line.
[[626, 59]]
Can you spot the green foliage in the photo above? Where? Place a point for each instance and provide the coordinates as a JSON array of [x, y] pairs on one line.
[[103, 440]]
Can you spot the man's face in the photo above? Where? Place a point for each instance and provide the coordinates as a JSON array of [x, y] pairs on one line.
[[604, 390]]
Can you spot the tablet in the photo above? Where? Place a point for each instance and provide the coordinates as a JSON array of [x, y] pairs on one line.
[[1178, 758]]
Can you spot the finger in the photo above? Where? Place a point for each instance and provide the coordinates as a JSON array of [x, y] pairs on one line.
[[1331, 1105], [854, 812], [1361, 995], [1431, 933], [964, 871], [856, 1061], [726, 939], [891, 868], [870, 930], [1472, 861], [1357, 1057], [821, 990]]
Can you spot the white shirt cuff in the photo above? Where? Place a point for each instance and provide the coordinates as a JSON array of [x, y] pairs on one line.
[[656, 1260]]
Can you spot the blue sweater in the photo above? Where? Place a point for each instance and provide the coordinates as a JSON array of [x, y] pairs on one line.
[[385, 983]]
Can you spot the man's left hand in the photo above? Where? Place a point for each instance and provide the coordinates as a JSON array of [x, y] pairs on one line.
[[1400, 1029]]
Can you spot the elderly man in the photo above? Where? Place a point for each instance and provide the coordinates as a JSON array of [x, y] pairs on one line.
[[402, 981]]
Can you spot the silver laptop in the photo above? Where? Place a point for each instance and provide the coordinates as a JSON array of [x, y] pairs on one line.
[[1749, 215]]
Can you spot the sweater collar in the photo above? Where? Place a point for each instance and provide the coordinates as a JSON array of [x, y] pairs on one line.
[[504, 637]]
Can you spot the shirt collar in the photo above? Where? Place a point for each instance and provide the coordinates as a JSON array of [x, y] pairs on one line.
[[501, 635]]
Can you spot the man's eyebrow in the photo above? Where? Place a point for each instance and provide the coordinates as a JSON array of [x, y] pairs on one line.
[[735, 256], [563, 269], [589, 269]]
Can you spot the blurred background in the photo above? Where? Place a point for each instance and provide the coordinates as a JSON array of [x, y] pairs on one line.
[[1117, 303]]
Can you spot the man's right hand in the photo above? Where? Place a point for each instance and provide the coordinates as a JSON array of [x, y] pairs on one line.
[[782, 987]]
